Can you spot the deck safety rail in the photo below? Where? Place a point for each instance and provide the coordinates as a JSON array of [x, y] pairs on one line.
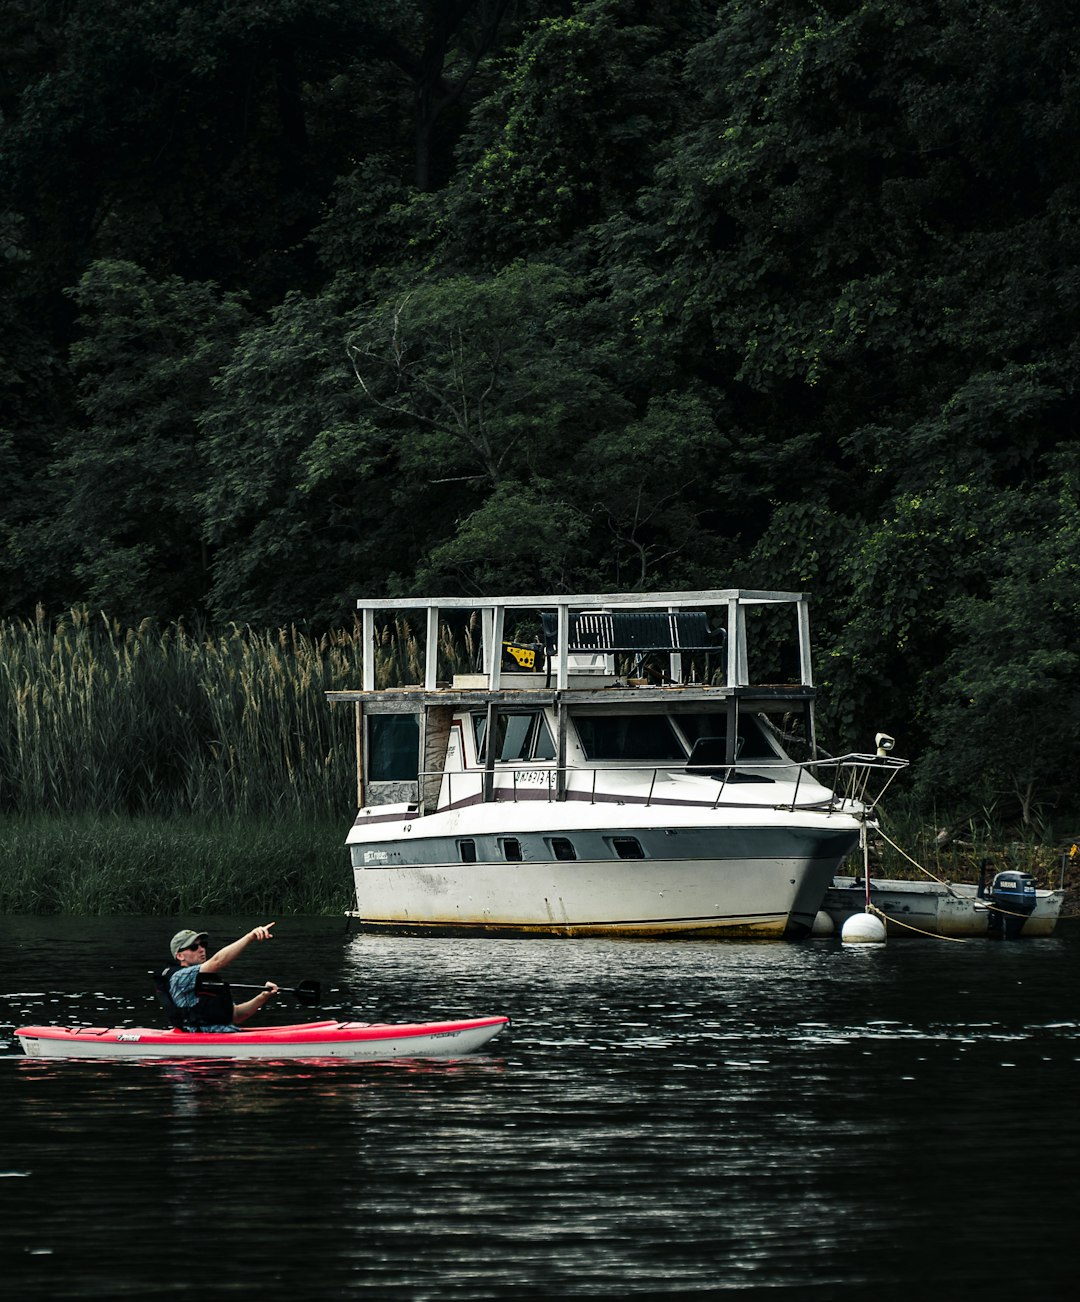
[[853, 786]]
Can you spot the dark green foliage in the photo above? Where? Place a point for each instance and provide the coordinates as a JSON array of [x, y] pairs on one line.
[[572, 130], [304, 300], [126, 521], [101, 865], [1004, 706], [292, 485]]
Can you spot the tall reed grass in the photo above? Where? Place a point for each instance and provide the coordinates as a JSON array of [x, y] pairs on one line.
[[96, 717], [155, 769]]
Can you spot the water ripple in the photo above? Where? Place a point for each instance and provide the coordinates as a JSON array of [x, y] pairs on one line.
[[668, 1118]]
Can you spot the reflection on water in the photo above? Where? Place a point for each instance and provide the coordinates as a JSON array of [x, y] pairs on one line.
[[816, 1121]]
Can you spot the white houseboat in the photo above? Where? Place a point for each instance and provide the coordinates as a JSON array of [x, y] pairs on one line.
[[608, 766]]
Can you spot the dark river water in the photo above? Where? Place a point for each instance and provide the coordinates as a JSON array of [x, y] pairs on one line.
[[766, 1120]]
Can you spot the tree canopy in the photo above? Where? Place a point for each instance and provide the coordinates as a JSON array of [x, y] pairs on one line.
[[304, 300]]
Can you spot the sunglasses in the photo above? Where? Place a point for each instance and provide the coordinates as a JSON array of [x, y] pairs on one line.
[[197, 944]]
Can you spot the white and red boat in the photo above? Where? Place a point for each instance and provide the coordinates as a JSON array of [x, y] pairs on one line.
[[357, 1040]]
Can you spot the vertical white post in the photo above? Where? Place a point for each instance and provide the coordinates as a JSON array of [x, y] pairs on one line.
[[367, 676], [563, 621], [806, 666], [733, 641], [431, 650], [487, 620], [675, 660], [497, 622]]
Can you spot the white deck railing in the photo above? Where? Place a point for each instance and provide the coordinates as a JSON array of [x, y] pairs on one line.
[[858, 782]]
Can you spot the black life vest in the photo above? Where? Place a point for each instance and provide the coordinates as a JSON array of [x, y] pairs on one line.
[[214, 1007]]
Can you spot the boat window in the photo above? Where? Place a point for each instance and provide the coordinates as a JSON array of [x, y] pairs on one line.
[[709, 756], [751, 744], [393, 747], [518, 736], [628, 737], [562, 847], [514, 734], [511, 848], [696, 726], [627, 847], [543, 743], [467, 851]]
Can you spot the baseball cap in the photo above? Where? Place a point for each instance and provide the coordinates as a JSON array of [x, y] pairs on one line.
[[183, 939]]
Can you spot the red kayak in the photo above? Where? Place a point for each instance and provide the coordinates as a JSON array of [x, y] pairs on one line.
[[309, 1040]]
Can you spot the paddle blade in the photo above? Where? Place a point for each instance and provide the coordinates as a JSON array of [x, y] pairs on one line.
[[308, 993]]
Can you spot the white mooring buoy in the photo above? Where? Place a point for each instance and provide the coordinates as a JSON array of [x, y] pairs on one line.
[[863, 929], [823, 925]]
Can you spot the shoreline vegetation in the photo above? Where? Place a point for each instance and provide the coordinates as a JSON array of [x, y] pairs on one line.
[[95, 864], [180, 865], [153, 769]]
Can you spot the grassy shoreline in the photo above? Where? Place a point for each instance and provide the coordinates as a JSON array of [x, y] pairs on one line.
[[185, 864], [95, 864], [909, 848]]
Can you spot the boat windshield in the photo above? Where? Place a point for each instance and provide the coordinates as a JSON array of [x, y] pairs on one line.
[[628, 737], [655, 738]]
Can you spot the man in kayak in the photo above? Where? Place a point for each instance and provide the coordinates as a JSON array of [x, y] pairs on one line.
[[200, 1000]]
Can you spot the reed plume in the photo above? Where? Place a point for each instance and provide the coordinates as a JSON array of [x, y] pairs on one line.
[[99, 718], [96, 717]]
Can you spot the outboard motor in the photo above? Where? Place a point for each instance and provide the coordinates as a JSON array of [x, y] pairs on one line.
[[1013, 896]]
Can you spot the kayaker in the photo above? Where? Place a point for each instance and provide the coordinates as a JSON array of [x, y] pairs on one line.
[[204, 1001]]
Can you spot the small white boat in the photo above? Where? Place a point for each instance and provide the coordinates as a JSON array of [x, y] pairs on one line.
[[622, 773], [358, 1040], [948, 908]]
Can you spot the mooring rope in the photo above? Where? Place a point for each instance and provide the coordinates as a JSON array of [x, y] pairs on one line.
[[934, 935], [915, 864], [1009, 913]]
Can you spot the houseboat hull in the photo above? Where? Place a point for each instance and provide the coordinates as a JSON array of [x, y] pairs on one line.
[[934, 908], [747, 878]]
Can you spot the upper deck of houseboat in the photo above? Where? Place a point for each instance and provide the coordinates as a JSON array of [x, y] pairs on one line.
[[598, 647], [574, 685]]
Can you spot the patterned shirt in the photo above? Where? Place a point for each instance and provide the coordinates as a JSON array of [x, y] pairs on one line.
[[182, 991]]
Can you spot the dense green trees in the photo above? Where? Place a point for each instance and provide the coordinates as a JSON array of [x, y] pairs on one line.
[[304, 299]]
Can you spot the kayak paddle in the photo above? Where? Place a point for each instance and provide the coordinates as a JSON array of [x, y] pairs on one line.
[[308, 993]]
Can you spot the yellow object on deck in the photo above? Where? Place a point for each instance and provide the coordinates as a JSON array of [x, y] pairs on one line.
[[525, 656]]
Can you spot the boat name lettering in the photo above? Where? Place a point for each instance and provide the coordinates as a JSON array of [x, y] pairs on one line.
[[123, 1036], [375, 856], [540, 776]]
